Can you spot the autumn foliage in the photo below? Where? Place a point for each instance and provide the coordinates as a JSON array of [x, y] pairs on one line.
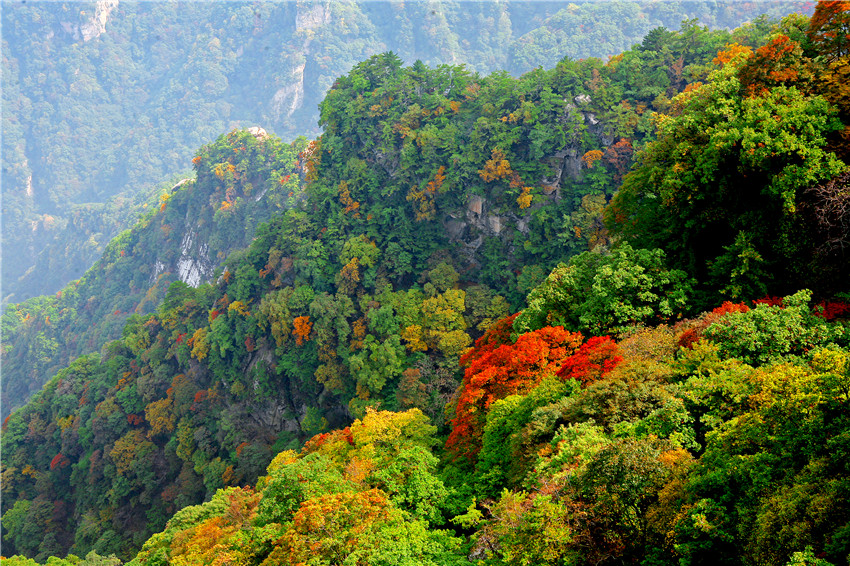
[[495, 371], [690, 336], [497, 167], [731, 52], [497, 335], [827, 310], [59, 461], [301, 330], [329, 526], [594, 358], [829, 28], [776, 63], [423, 199], [591, 157]]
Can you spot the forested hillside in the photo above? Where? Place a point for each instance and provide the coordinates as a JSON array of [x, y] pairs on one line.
[[651, 400], [241, 180], [103, 100], [501, 236], [502, 217]]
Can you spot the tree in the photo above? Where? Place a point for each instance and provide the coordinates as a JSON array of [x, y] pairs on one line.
[[600, 293], [301, 327], [727, 165], [829, 29], [493, 374], [360, 529], [594, 359], [527, 529], [769, 333], [621, 482]]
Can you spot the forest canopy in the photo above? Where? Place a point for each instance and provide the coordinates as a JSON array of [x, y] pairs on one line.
[[596, 314]]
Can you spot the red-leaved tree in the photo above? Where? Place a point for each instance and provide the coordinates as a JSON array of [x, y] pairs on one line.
[[829, 28], [496, 369], [595, 358]]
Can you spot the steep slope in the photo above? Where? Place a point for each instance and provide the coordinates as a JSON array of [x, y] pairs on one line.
[[108, 98], [746, 187], [505, 227], [435, 199], [240, 181]]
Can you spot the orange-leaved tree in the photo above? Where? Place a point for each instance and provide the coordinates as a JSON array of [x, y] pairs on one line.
[[829, 28], [779, 62], [496, 369], [301, 330]]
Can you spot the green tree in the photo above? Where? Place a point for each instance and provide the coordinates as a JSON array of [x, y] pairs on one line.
[[600, 293], [721, 189]]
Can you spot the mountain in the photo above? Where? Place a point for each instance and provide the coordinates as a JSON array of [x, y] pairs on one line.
[[613, 419], [240, 181], [506, 238], [103, 100]]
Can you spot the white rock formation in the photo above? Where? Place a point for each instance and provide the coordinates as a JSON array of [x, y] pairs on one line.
[[97, 25]]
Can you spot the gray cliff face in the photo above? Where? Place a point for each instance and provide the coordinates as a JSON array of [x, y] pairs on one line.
[[288, 99], [194, 266], [97, 24], [471, 226]]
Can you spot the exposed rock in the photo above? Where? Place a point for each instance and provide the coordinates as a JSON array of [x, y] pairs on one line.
[[566, 161], [258, 132], [288, 99], [494, 222], [455, 228], [273, 414], [470, 227], [97, 25], [582, 99], [311, 16], [261, 194], [522, 224], [180, 184], [572, 163], [476, 204], [158, 267], [194, 266]]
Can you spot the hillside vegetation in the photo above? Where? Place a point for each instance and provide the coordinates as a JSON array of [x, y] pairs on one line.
[[507, 176], [650, 400], [103, 100], [241, 180]]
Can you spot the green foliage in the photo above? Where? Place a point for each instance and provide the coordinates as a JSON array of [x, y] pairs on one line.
[[292, 481], [434, 199], [365, 495], [509, 437], [806, 558], [530, 530], [41, 336], [769, 333], [723, 190], [602, 293]]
